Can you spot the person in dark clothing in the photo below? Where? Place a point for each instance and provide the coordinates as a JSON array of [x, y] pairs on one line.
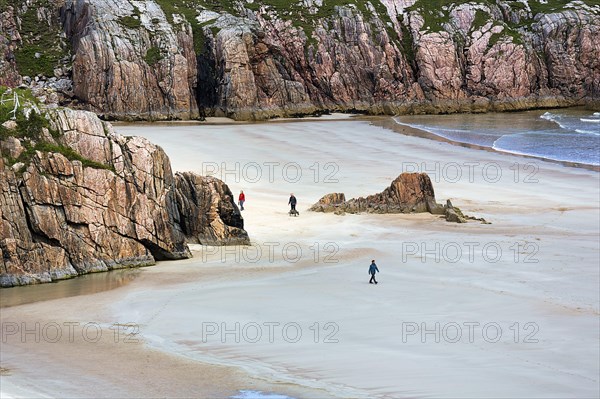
[[292, 202], [372, 270]]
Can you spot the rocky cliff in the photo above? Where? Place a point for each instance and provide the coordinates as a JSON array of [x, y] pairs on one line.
[[255, 59], [76, 197]]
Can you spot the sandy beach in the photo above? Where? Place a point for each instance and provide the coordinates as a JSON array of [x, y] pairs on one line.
[[507, 309]]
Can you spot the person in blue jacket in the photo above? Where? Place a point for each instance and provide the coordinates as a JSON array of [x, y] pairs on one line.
[[372, 270]]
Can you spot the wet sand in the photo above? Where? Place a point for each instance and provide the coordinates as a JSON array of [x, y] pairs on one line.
[[546, 280], [82, 285], [75, 347]]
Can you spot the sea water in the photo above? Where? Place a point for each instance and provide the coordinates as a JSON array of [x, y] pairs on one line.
[[571, 135]]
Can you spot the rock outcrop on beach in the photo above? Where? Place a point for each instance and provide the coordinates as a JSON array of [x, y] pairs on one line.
[[165, 59], [209, 215], [76, 197], [408, 193]]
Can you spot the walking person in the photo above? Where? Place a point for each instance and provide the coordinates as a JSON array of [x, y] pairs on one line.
[[241, 199], [292, 202], [372, 270]]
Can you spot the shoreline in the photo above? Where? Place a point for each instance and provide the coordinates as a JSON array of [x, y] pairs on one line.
[[391, 124], [385, 121], [379, 108], [225, 121], [171, 300]]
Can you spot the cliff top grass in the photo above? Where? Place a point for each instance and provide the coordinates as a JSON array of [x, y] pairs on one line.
[[302, 17], [436, 13]]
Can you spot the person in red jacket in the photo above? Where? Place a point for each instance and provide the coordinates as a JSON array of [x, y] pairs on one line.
[[241, 199]]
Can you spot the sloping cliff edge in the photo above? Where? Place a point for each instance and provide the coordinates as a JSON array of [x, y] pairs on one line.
[[76, 197], [184, 59]]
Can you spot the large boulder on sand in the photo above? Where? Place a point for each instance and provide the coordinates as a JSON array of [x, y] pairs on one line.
[[408, 193], [329, 203]]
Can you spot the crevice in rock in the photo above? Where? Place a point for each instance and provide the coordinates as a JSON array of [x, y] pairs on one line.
[[157, 252], [37, 236], [207, 80]]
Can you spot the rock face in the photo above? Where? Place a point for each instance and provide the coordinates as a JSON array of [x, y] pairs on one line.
[[267, 66], [408, 193], [23, 260], [161, 59], [329, 203], [209, 213], [453, 214], [9, 37], [129, 62], [85, 199]]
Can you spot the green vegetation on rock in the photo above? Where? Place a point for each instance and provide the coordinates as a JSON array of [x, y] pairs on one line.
[[30, 127], [42, 48], [549, 6], [153, 56], [436, 13], [188, 9], [131, 21], [67, 152], [481, 18], [508, 32], [27, 126], [306, 19], [408, 45], [301, 17]]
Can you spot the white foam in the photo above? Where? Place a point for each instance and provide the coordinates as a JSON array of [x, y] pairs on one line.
[[246, 394], [583, 131], [549, 116], [551, 158]]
